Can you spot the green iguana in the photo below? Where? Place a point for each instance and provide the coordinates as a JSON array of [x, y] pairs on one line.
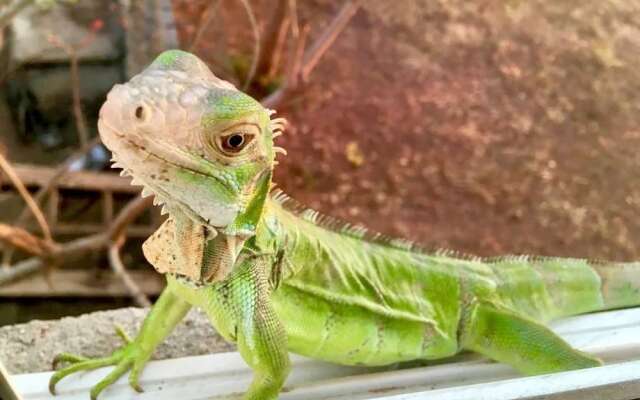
[[275, 277]]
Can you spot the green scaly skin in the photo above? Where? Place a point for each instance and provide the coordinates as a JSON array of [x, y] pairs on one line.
[[275, 277]]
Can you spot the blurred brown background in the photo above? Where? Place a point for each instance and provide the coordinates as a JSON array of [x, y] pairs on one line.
[[488, 126]]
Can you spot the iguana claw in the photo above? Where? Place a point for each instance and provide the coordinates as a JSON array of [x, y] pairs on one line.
[[130, 357]]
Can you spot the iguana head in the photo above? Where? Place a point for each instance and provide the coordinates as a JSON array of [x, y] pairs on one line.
[[201, 146]]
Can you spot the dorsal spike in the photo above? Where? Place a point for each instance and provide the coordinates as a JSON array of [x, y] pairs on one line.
[[360, 232], [280, 120], [280, 150]]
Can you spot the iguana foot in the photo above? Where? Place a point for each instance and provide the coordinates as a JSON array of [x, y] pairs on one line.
[[130, 357]]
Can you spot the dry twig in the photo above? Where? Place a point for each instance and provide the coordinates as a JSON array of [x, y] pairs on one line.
[[44, 190], [25, 241], [81, 124], [55, 253], [298, 53], [293, 69], [72, 52], [276, 57], [33, 206], [293, 11], [119, 269], [256, 45], [128, 214], [273, 40], [303, 63], [64, 251], [116, 237], [328, 37], [205, 20], [313, 55], [85, 245]]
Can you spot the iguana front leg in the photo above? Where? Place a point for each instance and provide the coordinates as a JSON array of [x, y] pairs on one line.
[[260, 335], [163, 317]]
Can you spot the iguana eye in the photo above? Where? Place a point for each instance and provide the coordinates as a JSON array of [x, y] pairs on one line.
[[235, 142]]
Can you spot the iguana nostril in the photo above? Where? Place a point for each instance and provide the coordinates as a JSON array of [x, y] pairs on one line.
[[140, 113]]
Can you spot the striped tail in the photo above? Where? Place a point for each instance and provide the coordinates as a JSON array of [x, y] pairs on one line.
[[578, 286], [619, 282], [547, 288]]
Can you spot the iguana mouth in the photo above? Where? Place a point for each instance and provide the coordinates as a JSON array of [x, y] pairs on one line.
[[179, 161], [161, 197]]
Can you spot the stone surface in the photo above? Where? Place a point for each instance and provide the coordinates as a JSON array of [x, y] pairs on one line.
[[73, 24], [31, 347], [51, 87]]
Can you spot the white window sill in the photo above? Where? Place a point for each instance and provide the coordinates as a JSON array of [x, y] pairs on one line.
[[614, 336]]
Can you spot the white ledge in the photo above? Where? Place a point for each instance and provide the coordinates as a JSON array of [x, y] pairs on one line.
[[614, 336]]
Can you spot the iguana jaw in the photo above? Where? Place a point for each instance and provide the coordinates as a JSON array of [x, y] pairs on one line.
[[125, 156], [150, 170]]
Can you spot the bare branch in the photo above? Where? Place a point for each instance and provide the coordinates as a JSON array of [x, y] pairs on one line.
[[38, 175], [298, 56], [39, 196], [206, 19], [117, 237], [118, 268], [128, 214], [293, 11], [20, 238], [328, 37], [81, 123], [72, 52], [256, 45], [313, 55], [80, 246], [61, 171], [33, 206], [67, 250], [276, 56], [293, 72], [272, 39]]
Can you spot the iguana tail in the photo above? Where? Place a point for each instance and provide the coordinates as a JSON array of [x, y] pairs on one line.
[[619, 283], [536, 289], [547, 288]]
